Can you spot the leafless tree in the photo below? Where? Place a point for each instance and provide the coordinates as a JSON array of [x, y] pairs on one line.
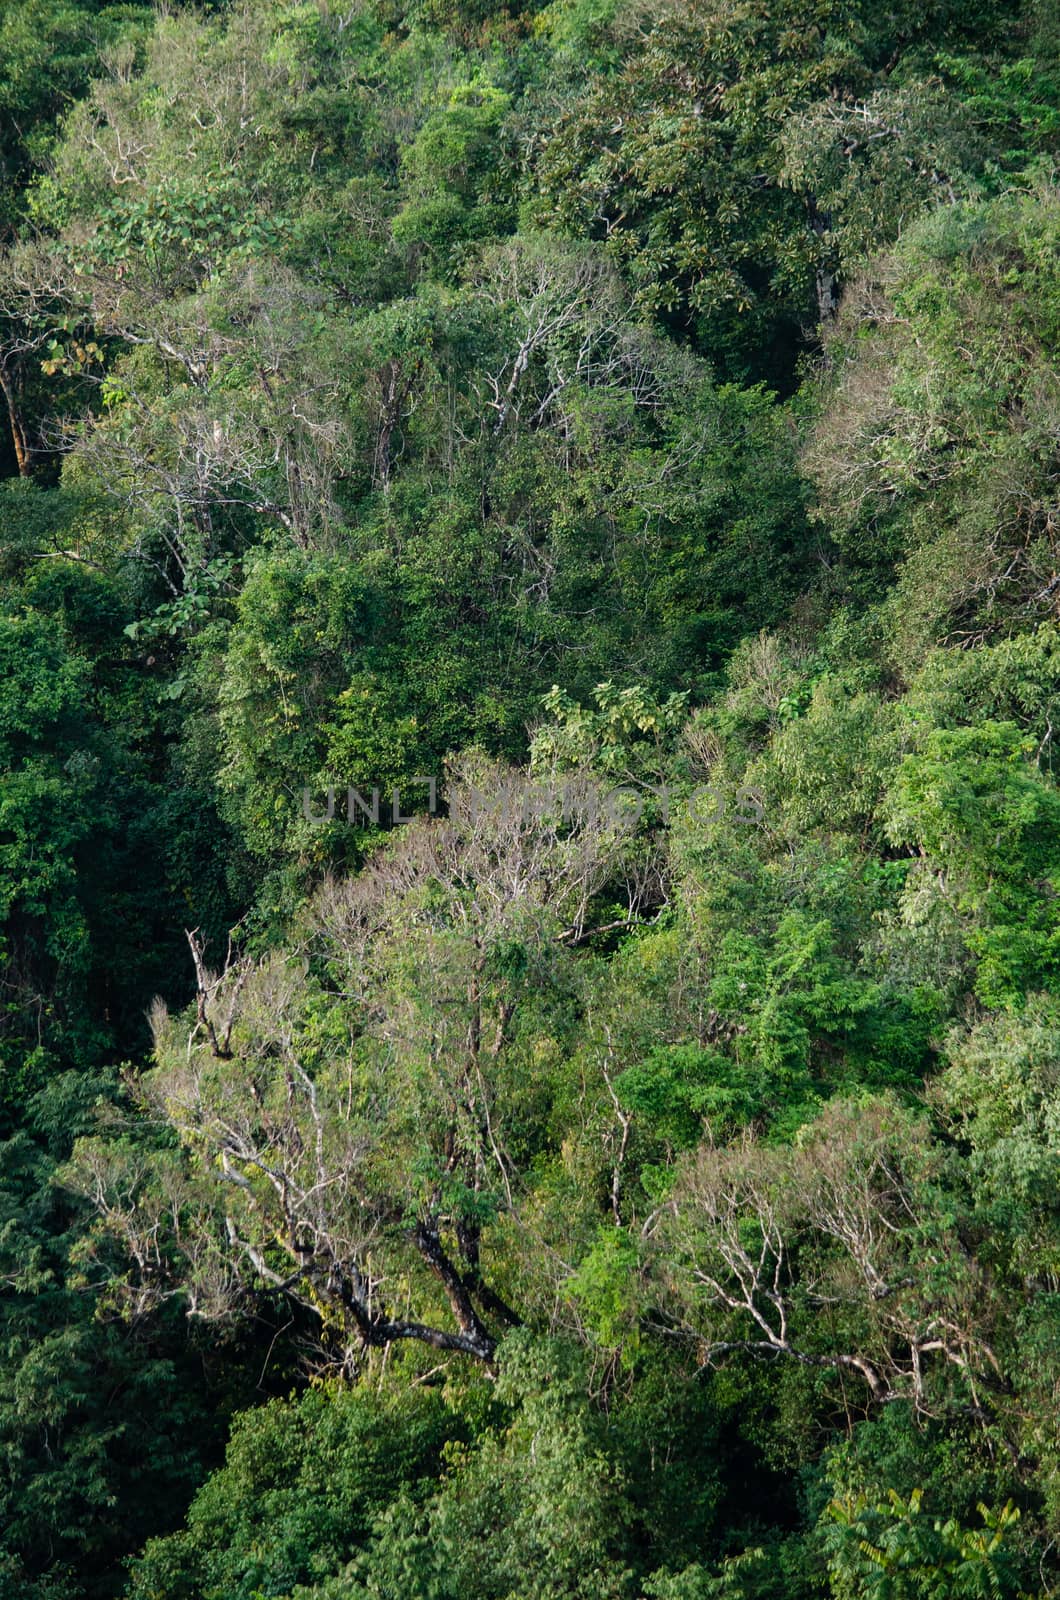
[[832, 1254], [355, 1171], [569, 327]]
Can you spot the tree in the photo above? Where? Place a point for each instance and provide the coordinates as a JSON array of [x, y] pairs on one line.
[[891, 1548], [984, 819], [937, 438], [690, 159], [349, 1134], [837, 1253]]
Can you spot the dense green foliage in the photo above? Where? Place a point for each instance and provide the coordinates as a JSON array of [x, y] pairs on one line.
[[619, 439]]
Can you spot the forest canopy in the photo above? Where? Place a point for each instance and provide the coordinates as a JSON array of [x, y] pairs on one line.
[[530, 827]]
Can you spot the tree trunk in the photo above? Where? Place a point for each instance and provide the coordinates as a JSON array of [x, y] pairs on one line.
[[18, 433], [826, 278]]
